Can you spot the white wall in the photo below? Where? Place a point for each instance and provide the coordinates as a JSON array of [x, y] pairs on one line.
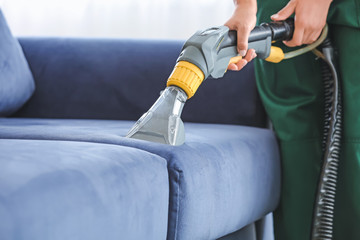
[[170, 19]]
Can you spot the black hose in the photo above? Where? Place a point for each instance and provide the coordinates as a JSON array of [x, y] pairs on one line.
[[323, 215]]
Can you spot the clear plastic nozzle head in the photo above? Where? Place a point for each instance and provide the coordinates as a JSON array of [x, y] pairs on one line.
[[162, 123]]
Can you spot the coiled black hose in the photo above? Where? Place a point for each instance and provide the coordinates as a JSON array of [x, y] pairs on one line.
[[323, 216]]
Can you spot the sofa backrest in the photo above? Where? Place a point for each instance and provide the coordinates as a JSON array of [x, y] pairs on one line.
[[121, 79], [16, 81]]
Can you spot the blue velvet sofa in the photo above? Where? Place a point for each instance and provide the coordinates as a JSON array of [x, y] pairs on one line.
[[68, 172]]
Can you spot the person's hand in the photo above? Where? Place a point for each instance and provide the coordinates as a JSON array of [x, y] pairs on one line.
[[243, 21], [310, 19], [250, 55]]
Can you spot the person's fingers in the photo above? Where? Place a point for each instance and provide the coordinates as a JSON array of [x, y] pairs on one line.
[[310, 18], [237, 66], [243, 31], [285, 12], [242, 39], [243, 21], [298, 35], [241, 64], [312, 37], [233, 67], [250, 55]]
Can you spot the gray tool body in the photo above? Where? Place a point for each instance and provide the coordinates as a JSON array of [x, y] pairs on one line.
[[212, 49]]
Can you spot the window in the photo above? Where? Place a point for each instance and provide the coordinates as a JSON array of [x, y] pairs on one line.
[[170, 19]]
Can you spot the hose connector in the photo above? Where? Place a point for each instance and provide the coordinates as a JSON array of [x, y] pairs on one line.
[[186, 76]]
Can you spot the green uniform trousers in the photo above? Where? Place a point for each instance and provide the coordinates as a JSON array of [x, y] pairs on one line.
[[293, 97]]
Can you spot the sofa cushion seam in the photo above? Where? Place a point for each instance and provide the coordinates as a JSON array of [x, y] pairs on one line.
[[179, 176], [83, 141]]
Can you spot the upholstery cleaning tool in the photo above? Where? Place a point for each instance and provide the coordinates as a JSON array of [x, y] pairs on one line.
[[206, 53]]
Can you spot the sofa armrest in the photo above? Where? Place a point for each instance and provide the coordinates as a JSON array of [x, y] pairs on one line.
[[121, 79]]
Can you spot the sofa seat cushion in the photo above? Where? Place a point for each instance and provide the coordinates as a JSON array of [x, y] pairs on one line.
[[223, 178], [77, 190], [16, 80]]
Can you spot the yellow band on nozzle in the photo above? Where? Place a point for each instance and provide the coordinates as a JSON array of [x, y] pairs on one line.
[[186, 76], [276, 55]]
